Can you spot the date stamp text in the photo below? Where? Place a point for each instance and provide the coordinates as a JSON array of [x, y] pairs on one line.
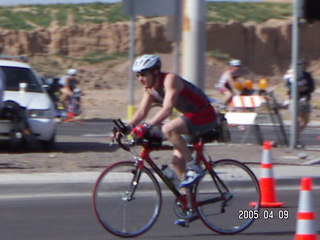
[[281, 214]]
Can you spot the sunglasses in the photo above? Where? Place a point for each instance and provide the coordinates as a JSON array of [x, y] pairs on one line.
[[142, 74]]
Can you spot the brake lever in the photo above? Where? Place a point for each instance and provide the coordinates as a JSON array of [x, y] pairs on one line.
[[118, 132], [120, 125], [113, 136]]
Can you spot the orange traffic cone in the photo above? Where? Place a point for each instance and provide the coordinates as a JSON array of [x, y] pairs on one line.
[[266, 181], [70, 115], [306, 225]]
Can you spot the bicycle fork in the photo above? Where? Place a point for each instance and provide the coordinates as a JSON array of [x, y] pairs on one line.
[[129, 195]]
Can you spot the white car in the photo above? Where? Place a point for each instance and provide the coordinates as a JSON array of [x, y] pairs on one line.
[[24, 87]]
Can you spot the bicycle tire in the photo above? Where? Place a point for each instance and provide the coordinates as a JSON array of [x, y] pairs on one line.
[[225, 216], [120, 214]]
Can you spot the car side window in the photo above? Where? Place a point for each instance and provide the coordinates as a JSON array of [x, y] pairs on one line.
[[14, 76]]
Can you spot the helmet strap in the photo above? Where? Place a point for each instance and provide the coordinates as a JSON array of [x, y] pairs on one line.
[[154, 76]]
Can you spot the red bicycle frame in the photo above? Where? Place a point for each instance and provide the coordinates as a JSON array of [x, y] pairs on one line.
[[187, 200]]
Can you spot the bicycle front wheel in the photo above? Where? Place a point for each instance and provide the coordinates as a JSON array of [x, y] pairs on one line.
[[127, 200], [228, 197]]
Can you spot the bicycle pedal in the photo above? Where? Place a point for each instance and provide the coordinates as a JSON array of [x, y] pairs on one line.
[[182, 223]]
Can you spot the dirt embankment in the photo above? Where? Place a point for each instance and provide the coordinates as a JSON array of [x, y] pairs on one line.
[[264, 48]]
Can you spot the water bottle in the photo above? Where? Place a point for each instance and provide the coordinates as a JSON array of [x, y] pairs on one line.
[[171, 174]]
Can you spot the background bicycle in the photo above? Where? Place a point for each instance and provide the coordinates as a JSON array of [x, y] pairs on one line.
[[73, 107]]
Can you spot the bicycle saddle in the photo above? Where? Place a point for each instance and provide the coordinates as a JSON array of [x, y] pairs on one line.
[[210, 136]]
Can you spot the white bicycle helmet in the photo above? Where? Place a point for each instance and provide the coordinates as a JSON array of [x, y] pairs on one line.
[[72, 72], [145, 62], [235, 63]]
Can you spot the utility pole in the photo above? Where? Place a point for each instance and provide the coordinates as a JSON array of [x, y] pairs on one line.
[[310, 11], [294, 65], [176, 36], [193, 41], [131, 55]]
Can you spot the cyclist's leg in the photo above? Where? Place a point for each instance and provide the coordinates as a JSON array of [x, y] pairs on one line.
[[228, 95], [173, 131], [63, 95], [178, 164]]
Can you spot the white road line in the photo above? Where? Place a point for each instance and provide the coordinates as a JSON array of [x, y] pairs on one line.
[[44, 196], [313, 161], [95, 135]]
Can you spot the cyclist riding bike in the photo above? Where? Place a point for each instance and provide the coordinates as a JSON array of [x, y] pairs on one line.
[[172, 91], [69, 84], [70, 95], [229, 81]]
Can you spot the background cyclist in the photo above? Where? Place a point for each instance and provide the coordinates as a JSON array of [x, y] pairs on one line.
[[69, 83], [229, 82]]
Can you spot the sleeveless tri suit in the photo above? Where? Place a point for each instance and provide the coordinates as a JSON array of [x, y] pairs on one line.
[[197, 111]]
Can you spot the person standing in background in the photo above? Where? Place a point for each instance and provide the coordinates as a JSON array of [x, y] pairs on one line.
[[305, 85]]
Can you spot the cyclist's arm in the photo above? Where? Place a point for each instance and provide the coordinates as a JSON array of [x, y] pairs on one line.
[[143, 109], [66, 86], [172, 86], [66, 82], [230, 81]]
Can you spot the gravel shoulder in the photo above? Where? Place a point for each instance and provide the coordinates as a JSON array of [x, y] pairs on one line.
[[94, 154]]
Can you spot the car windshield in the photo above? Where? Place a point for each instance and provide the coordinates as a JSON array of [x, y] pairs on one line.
[[16, 75]]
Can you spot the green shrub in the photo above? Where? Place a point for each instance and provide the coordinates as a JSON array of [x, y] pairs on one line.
[[30, 17], [244, 11], [115, 14], [218, 55]]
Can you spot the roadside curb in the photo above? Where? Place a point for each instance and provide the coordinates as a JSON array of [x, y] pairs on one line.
[[283, 175], [295, 181]]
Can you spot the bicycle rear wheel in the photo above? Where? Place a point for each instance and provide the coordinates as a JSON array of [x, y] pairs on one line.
[[225, 194], [127, 201]]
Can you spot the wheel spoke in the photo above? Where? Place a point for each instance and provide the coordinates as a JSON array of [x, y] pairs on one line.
[[127, 201], [223, 192]]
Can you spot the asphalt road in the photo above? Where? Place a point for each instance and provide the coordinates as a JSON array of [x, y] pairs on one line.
[[64, 211], [101, 128]]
